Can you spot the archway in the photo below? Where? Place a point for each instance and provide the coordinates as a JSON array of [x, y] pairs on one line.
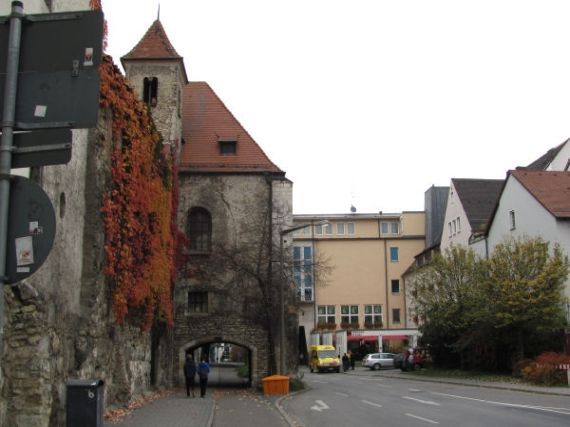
[[232, 364]]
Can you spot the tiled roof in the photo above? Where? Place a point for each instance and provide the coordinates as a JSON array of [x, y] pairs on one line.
[[478, 197], [205, 122], [550, 188], [153, 45], [544, 161]]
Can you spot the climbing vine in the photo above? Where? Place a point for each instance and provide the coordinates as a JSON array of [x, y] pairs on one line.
[[138, 209]]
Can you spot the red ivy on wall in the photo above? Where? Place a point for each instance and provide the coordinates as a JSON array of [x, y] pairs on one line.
[[138, 209]]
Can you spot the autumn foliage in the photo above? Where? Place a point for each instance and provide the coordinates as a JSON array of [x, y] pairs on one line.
[[138, 209]]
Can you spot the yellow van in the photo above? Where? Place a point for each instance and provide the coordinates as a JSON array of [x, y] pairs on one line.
[[324, 358]]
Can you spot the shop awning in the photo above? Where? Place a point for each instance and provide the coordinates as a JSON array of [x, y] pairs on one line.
[[362, 338], [395, 337]]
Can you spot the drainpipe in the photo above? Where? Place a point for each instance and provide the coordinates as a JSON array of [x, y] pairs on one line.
[[386, 279]]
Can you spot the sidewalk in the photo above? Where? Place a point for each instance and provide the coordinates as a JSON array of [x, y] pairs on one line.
[[220, 407]]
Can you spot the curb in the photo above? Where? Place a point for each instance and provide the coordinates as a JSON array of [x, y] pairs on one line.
[[212, 412], [284, 414]]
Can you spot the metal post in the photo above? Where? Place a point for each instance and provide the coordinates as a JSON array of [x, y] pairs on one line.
[[282, 308], [8, 120]]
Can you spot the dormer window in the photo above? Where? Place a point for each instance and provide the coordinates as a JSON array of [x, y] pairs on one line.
[[228, 147], [150, 91]]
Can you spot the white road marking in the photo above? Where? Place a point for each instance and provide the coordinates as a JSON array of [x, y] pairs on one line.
[[562, 411], [371, 403], [415, 390], [319, 382], [427, 420], [341, 394], [320, 405], [425, 402], [384, 385]]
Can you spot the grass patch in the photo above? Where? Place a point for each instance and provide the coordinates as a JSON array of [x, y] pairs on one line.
[[468, 375]]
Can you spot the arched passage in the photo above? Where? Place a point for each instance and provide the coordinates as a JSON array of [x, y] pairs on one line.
[[232, 363]]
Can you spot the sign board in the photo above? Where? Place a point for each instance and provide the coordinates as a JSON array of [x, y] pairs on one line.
[[58, 77], [41, 148], [31, 229]]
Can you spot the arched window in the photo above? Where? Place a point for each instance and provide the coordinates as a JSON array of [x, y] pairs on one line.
[[199, 230]]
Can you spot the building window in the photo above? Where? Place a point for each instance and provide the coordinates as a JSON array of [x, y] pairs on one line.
[[394, 254], [373, 315], [395, 315], [454, 227], [349, 314], [228, 148], [326, 314], [197, 302], [458, 225], [450, 231], [395, 286], [328, 228], [199, 230], [340, 228], [319, 229], [512, 220], [390, 227], [303, 272], [150, 91], [350, 227]]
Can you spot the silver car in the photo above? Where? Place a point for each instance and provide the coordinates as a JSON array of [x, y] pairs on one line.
[[376, 361]]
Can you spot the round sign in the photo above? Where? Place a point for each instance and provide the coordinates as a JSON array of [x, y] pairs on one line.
[[31, 229]]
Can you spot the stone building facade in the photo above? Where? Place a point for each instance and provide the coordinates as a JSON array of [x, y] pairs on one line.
[[229, 186]]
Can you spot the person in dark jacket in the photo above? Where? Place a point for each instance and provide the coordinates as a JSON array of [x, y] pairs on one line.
[[345, 362], [203, 371], [189, 374]]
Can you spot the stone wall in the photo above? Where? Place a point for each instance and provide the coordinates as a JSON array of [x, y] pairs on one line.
[[59, 322]]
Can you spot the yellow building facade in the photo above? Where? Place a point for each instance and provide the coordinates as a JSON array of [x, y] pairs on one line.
[[348, 271]]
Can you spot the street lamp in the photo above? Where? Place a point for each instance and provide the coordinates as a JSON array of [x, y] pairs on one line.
[[282, 233]]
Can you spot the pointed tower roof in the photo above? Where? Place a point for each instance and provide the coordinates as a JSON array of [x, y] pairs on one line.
[[155, 45], [207, 125]]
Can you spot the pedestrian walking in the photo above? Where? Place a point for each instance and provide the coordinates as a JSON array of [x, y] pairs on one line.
[[203, 371], [345, 362], [352, 360], [189, 374]]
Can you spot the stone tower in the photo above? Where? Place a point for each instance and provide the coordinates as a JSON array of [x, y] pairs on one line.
[[157, 74]]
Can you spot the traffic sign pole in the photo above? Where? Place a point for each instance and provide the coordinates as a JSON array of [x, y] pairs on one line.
[[8, 119]]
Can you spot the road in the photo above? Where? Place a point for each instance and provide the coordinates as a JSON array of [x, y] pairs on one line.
[[371, 400]]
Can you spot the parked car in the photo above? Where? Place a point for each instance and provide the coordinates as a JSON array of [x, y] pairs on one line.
[[376, 361]]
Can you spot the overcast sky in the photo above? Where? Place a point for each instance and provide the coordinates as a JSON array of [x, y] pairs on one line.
[[370, 102]]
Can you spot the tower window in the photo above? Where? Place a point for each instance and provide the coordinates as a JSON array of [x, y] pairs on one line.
[[150, 91], [199, 230]]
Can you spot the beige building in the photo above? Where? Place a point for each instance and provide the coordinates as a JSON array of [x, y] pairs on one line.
[[348, 270]]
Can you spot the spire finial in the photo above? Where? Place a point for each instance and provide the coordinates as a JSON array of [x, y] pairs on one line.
[[158, 15]]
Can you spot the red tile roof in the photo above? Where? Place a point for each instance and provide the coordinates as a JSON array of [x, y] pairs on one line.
[[550, 188], [155, 45], [205, 122]]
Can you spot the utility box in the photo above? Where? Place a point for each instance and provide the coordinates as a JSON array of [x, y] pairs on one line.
[[84, 404], [275, 384]]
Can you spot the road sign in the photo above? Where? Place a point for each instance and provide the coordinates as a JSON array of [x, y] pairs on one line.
[[58, 78], [31, 229], [41, 148]]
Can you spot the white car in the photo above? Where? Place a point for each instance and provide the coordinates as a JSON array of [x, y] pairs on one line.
[[376, 361]]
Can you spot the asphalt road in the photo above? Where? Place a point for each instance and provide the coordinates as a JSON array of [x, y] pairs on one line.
[[350, 400]]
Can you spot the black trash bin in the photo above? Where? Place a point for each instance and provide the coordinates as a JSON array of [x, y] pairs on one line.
[[84, 405]]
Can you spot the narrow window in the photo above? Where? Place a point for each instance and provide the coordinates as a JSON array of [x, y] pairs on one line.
[[395, 286], [150, 91], [458, 225], [395, 227], [449, 225], [198, 302], [396, 315], [454, 227], [199, 230], [350, 227], [340, 228], [394, 254], [384, 228], [328, 228], [512, 220]]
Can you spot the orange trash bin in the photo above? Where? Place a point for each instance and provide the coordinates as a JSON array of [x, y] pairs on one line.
[[275, 384]]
